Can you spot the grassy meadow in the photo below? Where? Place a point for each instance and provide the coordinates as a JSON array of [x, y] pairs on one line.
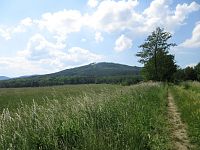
[[85, 117], [12, 97], [187, 98], [96, 116]]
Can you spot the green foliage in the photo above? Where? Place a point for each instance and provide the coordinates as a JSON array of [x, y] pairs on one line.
[[197, 70], [188, 73], [185, 85], [187, 99], [179, 76], [131, 117], [51, 81], [166, 68], [158, 64]]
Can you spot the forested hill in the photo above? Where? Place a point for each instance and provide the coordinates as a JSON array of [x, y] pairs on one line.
[[92, 73], [99, 70]]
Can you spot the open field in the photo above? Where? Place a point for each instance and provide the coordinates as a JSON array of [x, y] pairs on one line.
[[100, 117], [12, 97], [86, 117]]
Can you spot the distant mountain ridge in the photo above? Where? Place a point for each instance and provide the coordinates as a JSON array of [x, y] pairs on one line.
[[4, 78], [103, 72]]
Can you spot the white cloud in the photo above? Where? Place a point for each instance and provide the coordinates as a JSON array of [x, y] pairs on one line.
[[181, 13], [123, 43], [92, 3], [54, 54], [194, 41], [18, 66], [113, 15], [159, 13], [98, 37], [26, 22], [154, 10], [39, 48], [108, 16], [78, 54], [5, 34], [8, 32], [61, 23]]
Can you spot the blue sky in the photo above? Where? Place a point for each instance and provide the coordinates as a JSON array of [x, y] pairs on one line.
[[39, 37]]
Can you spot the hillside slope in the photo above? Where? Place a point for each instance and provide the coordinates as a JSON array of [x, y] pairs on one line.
[[99, 70], [92, 73]]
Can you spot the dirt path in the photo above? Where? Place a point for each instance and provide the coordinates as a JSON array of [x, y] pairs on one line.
[[178, 129]]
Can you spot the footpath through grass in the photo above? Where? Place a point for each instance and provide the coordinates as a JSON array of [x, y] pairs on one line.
[[187, 98], [133, 118]]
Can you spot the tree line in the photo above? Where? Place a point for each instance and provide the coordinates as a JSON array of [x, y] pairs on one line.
[[62, 80], [188, 73]]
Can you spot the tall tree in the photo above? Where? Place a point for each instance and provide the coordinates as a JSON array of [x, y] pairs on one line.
[[159, 65]]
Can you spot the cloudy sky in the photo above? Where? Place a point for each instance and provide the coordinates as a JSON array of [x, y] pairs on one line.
[[44, 36]]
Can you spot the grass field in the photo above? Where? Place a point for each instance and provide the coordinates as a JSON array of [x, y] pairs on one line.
[[85, 117], [187, 98], [12, 97]]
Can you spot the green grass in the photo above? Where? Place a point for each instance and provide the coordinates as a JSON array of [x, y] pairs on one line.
[[194, 86], [12, 97], [187, 98], [100, 117]]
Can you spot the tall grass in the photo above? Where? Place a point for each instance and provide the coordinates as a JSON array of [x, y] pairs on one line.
[[188, 102], [192, 85], [128, 118], [11, 97]]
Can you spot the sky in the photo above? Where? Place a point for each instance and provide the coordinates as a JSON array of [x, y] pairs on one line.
[[45, 36]]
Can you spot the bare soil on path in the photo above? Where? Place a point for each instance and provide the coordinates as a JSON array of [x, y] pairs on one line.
[[178, 128]]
